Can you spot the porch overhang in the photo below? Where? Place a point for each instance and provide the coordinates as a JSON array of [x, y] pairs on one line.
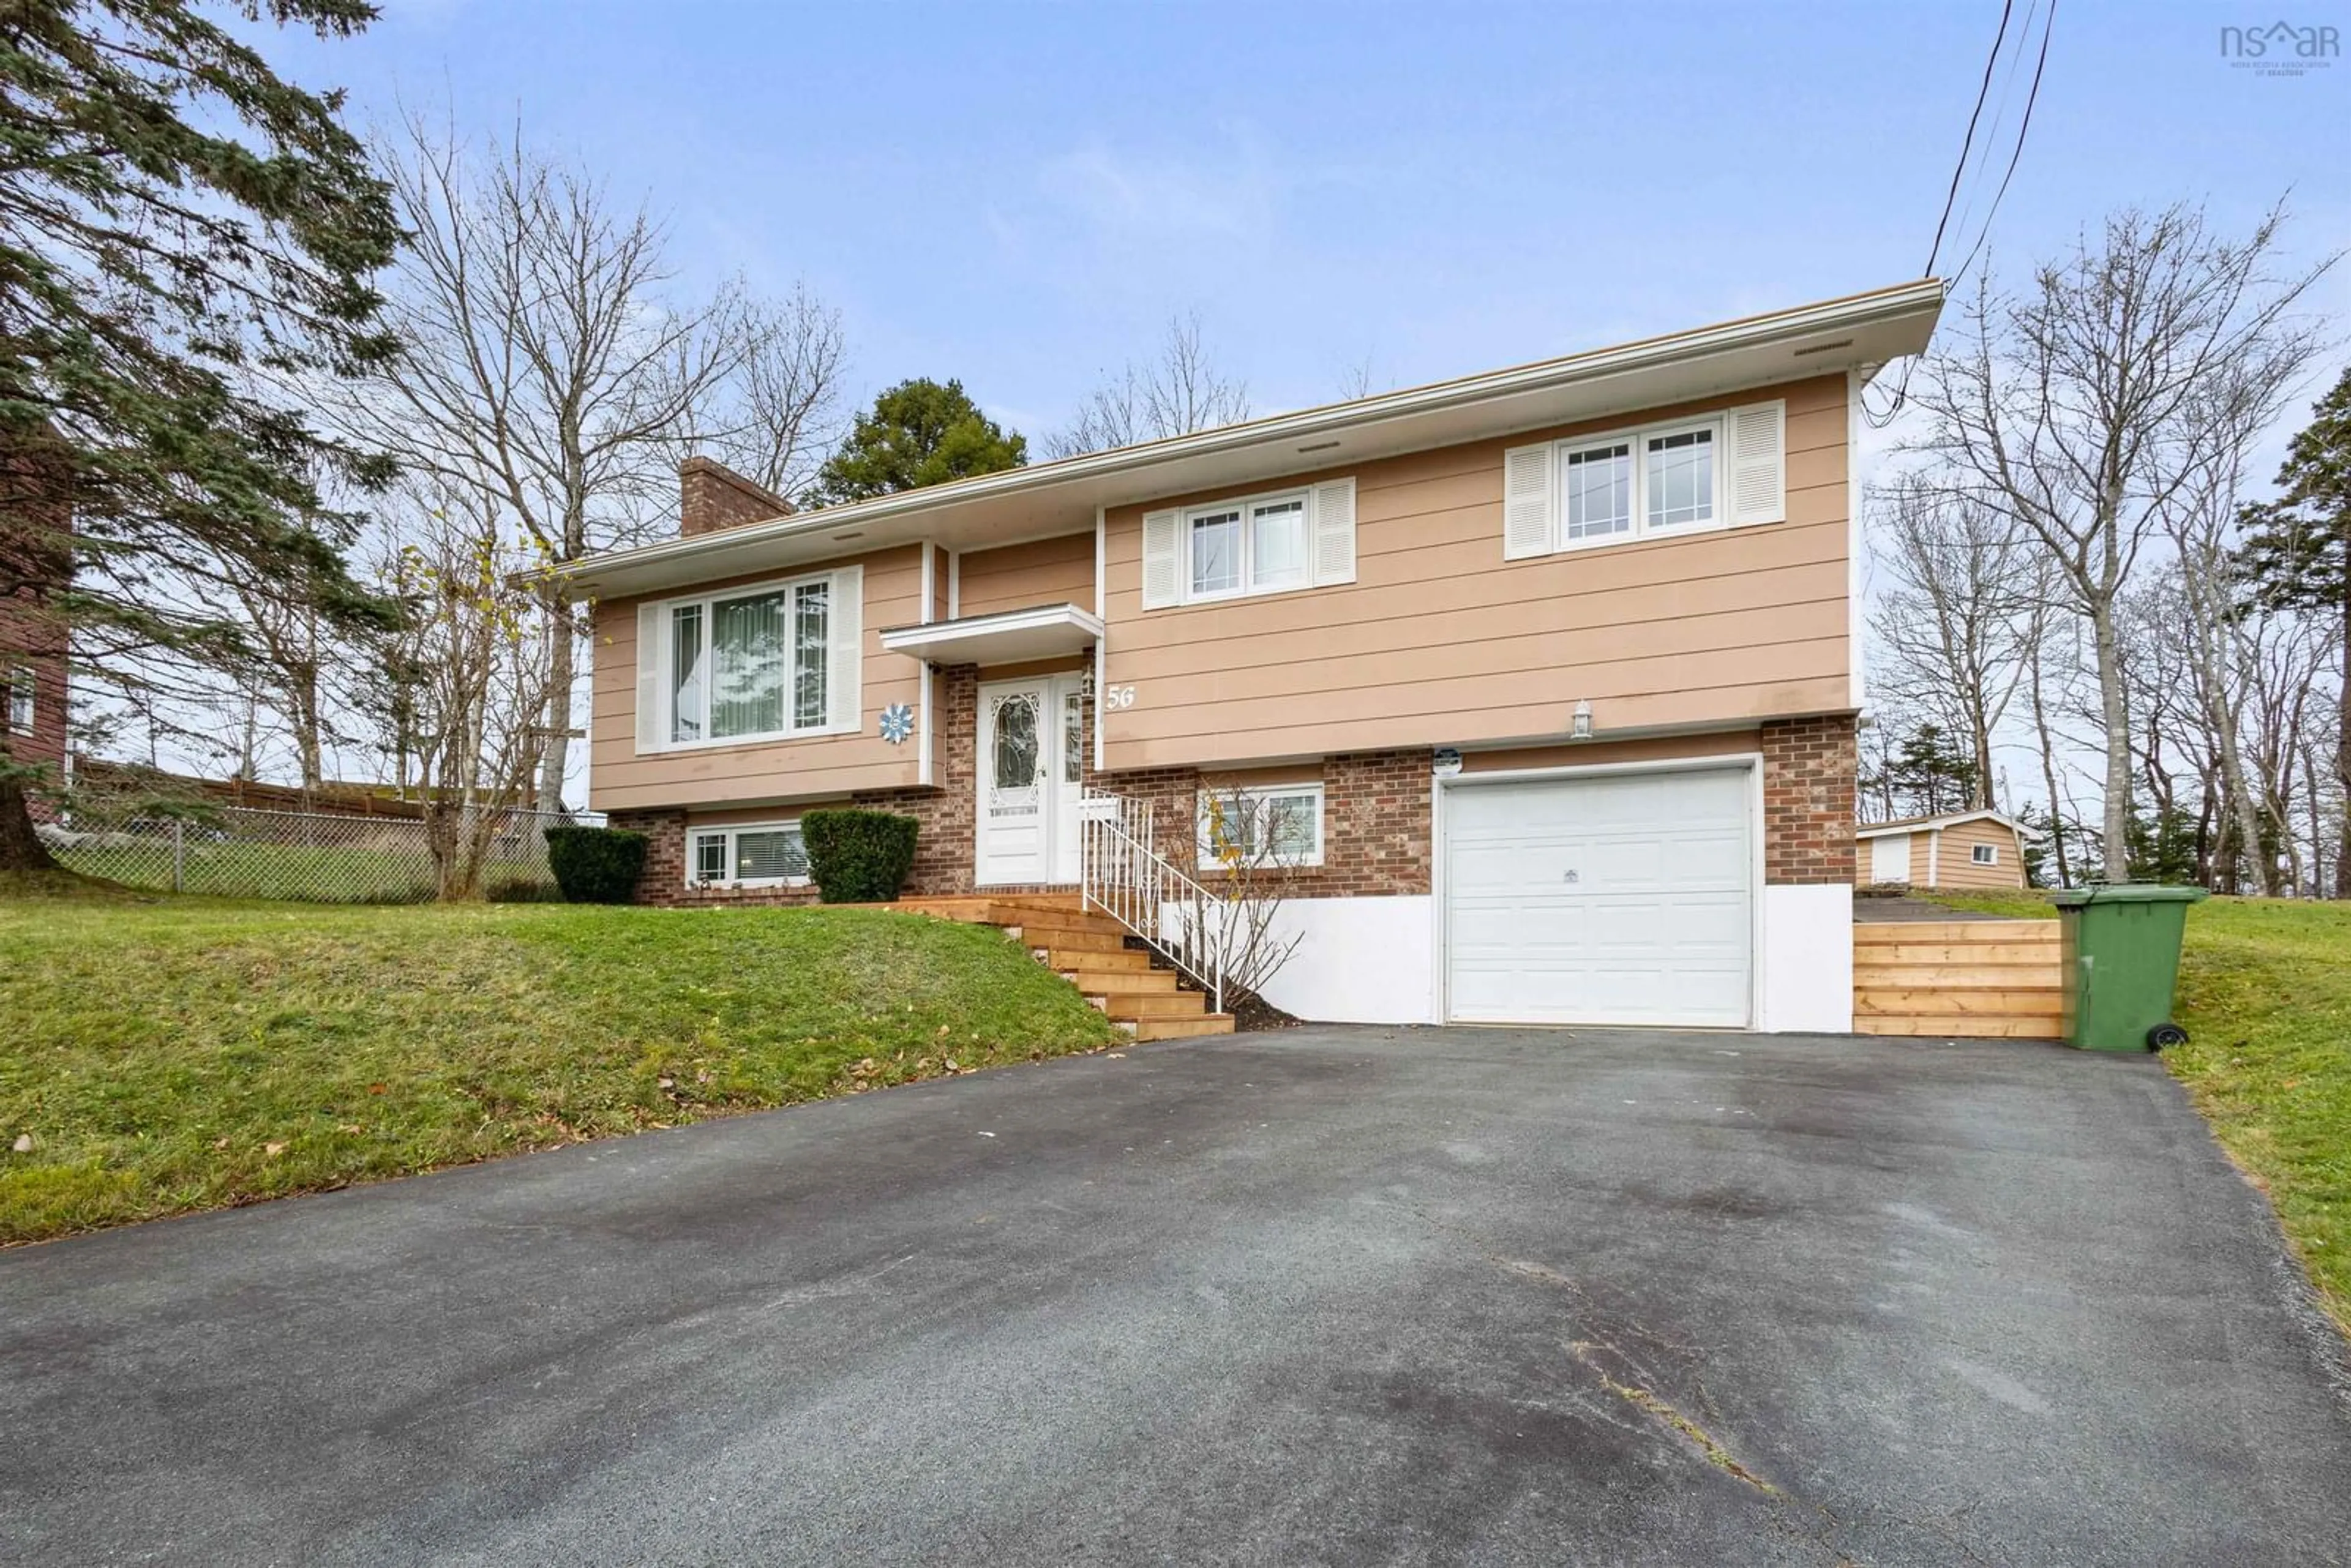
[[1007, 637]]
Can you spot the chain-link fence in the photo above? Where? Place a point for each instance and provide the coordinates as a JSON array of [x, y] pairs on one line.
[[238, 852]]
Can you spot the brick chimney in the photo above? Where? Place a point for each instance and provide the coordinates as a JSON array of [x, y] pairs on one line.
[[711, 495]]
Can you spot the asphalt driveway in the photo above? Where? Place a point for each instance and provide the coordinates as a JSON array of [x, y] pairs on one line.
[[1335, 1295]]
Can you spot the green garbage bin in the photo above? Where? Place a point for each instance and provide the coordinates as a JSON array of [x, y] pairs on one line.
[[2122, 960]]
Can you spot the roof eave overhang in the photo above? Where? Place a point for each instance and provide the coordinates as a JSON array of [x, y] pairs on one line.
[[1862, 332]]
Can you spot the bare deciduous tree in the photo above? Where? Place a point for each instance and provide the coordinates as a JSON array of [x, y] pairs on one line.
[[1247, 853], [545, 359], [779, 416], [1174, 394], [2073, 410], [474, 647], [1957, 615], [2220, 633]]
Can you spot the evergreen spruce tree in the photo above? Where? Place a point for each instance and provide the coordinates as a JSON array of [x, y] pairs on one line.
[[920, 433], [181, 231]]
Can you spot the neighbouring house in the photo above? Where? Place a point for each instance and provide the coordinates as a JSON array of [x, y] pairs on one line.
[[1958, 849], [1542, 682]]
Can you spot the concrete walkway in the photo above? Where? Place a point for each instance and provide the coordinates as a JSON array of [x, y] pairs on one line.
[[1321, 1296]]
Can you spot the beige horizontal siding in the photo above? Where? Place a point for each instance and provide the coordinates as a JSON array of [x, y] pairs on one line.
[[1442, 642], [832, 765], [1019, 577], [1959, 870], [1595, 753]]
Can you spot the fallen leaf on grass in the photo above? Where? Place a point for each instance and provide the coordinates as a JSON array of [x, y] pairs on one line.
[[272, 1150], [24, 1145]]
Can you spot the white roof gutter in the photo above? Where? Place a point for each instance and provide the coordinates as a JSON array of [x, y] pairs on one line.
[[1854, 312]]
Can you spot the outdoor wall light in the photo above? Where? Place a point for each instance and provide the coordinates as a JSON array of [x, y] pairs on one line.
[[1580, 728]]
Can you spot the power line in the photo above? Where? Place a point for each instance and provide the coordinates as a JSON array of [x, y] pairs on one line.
[[2024, 126], [1983, 91], [1994, 130]]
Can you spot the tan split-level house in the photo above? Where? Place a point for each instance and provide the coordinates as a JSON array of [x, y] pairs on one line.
[[1543, 681]]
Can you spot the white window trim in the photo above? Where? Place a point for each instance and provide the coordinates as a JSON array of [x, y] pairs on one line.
[[666, 613], [1247, 507], [1639, 438], [1253, 794], [734, 830], [23, 684], [1983, 854]]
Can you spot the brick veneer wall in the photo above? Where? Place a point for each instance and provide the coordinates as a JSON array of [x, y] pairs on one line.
[[1376, 828], [943, 847], [1375, 822], [1809, 768]]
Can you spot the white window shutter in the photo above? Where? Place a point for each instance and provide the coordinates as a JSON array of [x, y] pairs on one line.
[[1334, 532], [1162, 567], [1526, 501], [1759, 462], [844, 675], [651, 730]]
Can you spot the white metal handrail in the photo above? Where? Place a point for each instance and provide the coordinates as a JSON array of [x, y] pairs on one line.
[[1125, 876]]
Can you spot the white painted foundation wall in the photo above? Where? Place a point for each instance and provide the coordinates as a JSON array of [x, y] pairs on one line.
[[1806, 961], [1374, 960], [1364, 961]]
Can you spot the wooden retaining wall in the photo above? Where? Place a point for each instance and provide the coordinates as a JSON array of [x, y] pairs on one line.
[[1958, 979]]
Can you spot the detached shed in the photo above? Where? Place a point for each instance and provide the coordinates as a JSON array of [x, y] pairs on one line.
[[1962, 849]]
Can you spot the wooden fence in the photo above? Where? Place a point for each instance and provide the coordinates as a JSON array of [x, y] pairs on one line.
[[1959, 978]]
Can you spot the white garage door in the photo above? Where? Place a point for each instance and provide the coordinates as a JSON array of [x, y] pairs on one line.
[[1618, 899]]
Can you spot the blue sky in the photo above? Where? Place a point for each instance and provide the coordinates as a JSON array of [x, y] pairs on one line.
[[1020, 195]]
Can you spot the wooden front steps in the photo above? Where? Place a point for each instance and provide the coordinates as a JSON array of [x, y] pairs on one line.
[[1959, 978], [1088, 949]]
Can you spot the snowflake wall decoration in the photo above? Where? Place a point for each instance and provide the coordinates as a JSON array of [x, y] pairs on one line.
[[897, 722]]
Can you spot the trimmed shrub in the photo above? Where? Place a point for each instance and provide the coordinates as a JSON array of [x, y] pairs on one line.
[[857, 857], [596, 865]]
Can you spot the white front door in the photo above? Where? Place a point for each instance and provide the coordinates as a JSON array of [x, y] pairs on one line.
[[1621, 898], [1031, 760]]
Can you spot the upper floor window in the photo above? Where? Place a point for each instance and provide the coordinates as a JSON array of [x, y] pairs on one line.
[[757, 663], [1248, 547], [1256, 544], [22, 686], [1654, 482]]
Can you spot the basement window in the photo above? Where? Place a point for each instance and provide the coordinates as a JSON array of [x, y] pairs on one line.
[[757, 854], [1279, 825]]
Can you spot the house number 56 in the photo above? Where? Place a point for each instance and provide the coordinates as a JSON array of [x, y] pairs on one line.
[[1118, 697]]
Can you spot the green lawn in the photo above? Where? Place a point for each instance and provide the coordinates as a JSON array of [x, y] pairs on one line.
[[2265, 996], [161, 1055]]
